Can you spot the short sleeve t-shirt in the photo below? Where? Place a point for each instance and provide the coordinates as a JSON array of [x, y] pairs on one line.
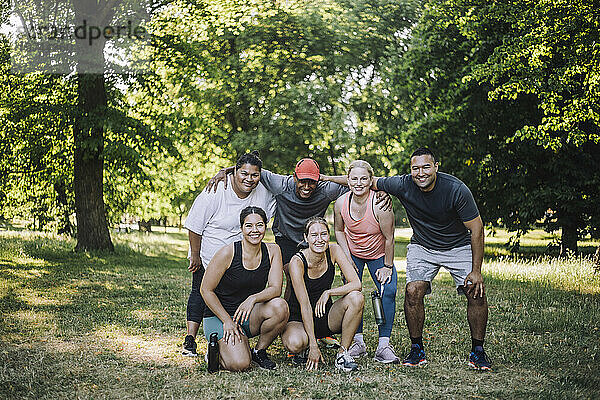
[[436, 217], [292, 212], [216, 216]]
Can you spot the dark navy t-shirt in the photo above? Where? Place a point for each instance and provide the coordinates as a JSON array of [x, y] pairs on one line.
[[436, 217]]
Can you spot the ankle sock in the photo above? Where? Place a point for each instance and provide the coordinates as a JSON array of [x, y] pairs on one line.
[[359, 338], [417, 340], [476, 343], [383, 341]]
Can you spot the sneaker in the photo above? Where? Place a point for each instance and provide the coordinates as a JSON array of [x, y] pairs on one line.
[[189, 347], [416, 357], [386, 355], [357, 349], [479, 360], [330, 342], [261, 358], [345, 362], [300, 359]]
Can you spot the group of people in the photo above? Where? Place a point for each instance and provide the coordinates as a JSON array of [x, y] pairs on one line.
[[238, 279]]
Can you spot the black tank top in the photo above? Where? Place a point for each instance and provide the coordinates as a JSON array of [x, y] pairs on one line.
[[238, 282], [314, 287]]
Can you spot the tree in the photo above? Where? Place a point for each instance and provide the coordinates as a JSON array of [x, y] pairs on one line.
[[507, 95], [273, 76]]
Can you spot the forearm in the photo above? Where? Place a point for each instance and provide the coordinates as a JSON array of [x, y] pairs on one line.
[[195, 242], [388, 259], [339, 179], [307, 321], [345, 289], [267, 294], [213, 302], [477, 249]]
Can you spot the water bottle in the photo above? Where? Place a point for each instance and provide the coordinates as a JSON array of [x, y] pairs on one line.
[[377, 308], [213, 353]]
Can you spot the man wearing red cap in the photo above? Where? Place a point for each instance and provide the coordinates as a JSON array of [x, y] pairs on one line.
[[298, 198]]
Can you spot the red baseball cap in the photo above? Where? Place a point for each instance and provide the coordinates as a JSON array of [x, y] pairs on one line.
[[307, 168]]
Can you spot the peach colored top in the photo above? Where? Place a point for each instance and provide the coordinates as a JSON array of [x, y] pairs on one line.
[[364, 236]]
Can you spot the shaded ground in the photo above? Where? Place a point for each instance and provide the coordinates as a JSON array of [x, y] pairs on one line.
[[110, 326]]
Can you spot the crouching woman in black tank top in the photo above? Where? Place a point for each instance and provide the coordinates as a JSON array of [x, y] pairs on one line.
[[238, 304], [313, 314]]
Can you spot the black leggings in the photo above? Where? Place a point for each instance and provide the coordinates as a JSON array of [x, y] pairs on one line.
[[196, 305]]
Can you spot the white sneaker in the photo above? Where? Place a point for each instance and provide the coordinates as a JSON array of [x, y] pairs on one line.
[[386, 355], [345, 362], [357, 349]]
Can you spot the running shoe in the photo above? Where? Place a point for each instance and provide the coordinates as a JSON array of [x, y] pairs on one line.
[[300, 358], [189, 347], [357, 349], [261, 358], [416, 357], [330, 342], [345, 362], [479, 360], [386, 355]]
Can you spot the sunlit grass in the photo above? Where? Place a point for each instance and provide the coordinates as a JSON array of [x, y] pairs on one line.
[[109, 325]]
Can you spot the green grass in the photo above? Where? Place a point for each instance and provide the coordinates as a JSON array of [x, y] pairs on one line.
[[106, 325]]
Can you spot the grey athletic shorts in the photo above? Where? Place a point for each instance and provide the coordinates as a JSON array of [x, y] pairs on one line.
[[423, 264]]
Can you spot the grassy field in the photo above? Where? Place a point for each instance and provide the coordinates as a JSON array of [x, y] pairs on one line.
[[111, 325]]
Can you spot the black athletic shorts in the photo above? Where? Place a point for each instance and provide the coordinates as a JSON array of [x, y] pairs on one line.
[[321, 325]]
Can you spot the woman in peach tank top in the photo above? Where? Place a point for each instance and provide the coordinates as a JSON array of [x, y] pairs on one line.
[[366, 234]]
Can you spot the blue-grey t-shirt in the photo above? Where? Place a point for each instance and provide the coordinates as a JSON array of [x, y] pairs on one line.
[[292, 212], [436, 217]]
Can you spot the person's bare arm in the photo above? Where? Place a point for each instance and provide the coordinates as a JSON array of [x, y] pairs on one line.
[[353, 283], [219, 176], [386, 224], [296, 269], [338, 226], [214, 272], [339, 179], [477, 287], [195, 246]]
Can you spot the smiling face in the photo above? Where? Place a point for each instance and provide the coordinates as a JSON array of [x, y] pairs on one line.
[[317, 237], [254, 228], [423, 170], [305, 187], [359, 181], [245, 179]]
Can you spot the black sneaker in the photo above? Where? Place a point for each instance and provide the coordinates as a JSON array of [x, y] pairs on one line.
[[416, 357], [300, 358], [262, 359], [189, 347], [479, 360]]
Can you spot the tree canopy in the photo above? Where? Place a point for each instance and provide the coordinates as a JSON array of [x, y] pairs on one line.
[[506, 94]]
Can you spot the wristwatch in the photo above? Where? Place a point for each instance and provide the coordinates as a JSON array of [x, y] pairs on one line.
[[389, 266]]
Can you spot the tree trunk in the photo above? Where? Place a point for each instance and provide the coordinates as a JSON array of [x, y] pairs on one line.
[[597, 260], [568, 239], [88, 185], [88, 129]]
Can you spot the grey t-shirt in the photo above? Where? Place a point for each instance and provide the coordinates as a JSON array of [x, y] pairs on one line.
[[292, 212], [436, 217]]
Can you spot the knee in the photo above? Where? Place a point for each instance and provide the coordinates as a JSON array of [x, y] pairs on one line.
[[414, 294], [238, 365], [356, 300], [279, 308], [295, 343]]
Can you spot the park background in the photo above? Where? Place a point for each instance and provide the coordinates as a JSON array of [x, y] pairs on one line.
[[98, 170]]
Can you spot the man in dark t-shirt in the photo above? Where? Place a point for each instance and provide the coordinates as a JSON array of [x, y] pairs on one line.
[[447, 232]]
